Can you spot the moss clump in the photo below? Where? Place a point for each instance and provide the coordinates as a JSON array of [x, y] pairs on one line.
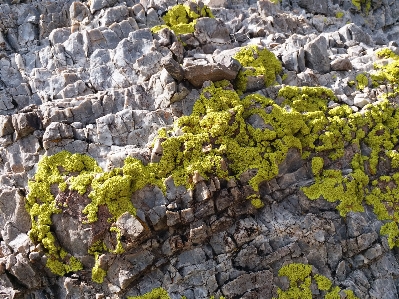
[[364, 5], [181, 18], [256, 62], [339, 14], [158, 293], [362, 81], [301, 277], [98, 274], [74, 172], [387, 73]]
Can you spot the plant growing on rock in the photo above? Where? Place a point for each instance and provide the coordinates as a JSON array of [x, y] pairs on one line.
[[301, 278], [256, 62], [182, 18]]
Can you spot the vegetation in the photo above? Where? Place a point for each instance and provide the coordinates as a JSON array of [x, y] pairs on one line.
[[256, 62], [301, 278], [181, 18]]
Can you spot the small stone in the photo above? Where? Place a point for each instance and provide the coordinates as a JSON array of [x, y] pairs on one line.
[[361, 100], [341, 64]]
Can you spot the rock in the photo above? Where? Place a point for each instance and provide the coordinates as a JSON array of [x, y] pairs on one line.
[[384, 288], [130, 227], [25, 123], [6, 127], [247, 282], [316, 55], [341, 64], [55, 133], [198, 74], [351, 32], [122, 272], [173, 68], [314, 6], [99, 4], [246, 230], [209, 30], [20, 268], [361, 100]]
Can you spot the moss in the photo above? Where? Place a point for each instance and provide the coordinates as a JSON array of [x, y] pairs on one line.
[[256, 62], [339, 14], [387, 73], [391, 230], [362, 81], [98, 274], [323, 283], [158, 293], [181, 19], [364, 5], [300, 278]]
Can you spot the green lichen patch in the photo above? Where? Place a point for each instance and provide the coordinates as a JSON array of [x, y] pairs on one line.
[[364, 5], [387, 73], [181, 18], [157, 293], [339, 14], [362, 81], [256, 62], [74, 172], [301, 277]]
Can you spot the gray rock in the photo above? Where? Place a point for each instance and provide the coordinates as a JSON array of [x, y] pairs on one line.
[[246, 230], [247, 282], [122, 272], [384, 288], [54, 134], [316, 55], [173, 68], [361, 100], [6, 127], [351, 32], [99, 4], [315, 6], [130, 227], [198, 74], [341, 64], [210, 30], [20, 267], [25, 123]]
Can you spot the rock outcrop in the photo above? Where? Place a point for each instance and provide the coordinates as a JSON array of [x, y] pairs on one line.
[[237, 138]]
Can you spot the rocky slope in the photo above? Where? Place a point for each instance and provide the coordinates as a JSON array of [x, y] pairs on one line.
[[90, 77]]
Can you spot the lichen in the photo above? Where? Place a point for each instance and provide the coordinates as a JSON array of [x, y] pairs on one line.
[[256, 62], [387, 73], [157, 293], [364, 5], [300, 278], [181, 19], [217, 139], [339, 14], [362, 81]]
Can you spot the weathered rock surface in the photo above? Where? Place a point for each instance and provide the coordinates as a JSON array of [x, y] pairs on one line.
[[90, 77]]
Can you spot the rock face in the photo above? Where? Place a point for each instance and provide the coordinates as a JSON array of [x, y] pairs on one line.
[[91, 77]]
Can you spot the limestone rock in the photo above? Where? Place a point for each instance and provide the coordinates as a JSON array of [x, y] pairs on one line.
[[316, 55]]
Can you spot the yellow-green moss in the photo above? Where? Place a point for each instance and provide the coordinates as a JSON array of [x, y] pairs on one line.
[[387, 73], [256, 62], [181, 19], [362, 81], [339, 14], [98, 274], [364, 5], [300, 278], [158, 293]]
